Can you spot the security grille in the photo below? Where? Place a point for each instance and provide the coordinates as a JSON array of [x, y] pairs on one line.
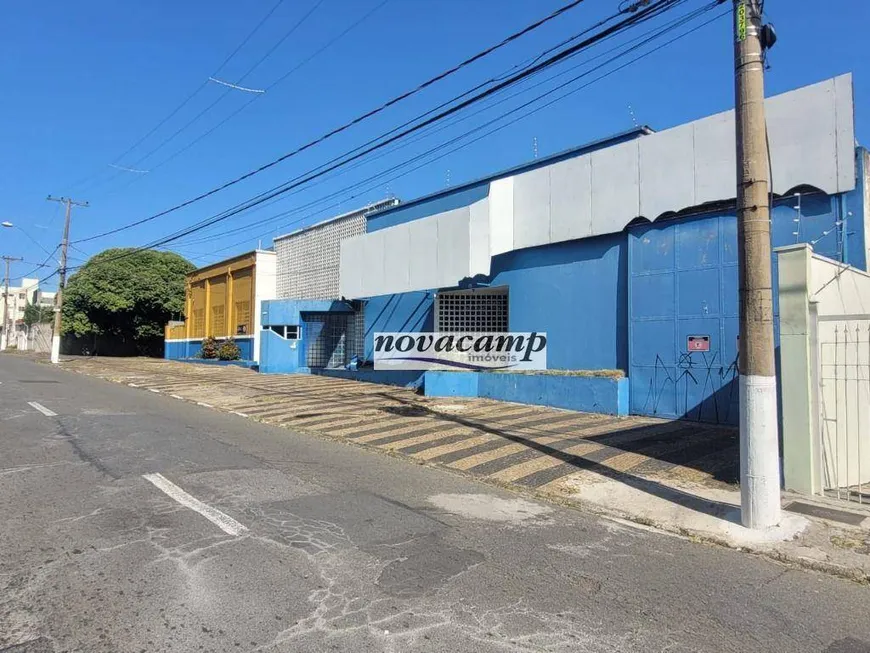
[[472, 311], [326, 335], [357, 335]]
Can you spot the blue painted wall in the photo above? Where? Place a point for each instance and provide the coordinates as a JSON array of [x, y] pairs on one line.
[[413, 311], [577, 293], [853, 202], [289, 311], [181, 349], [571, 290], [280, 356], [588, 394]]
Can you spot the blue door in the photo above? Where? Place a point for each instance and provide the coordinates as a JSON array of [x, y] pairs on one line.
[[683, 319]]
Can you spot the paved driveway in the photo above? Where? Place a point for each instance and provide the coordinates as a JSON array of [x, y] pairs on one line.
[[538, 448]]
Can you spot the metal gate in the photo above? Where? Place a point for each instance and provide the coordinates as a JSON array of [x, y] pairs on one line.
[[683, 319], [326, 337], [842, 370]]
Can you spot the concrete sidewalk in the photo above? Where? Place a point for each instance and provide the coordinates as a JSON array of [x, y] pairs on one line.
[[673, 475]]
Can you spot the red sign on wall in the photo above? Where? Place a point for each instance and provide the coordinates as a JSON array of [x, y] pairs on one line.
[[698, 343]]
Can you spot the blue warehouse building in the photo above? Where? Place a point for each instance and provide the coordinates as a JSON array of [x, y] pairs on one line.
[[622, 251]]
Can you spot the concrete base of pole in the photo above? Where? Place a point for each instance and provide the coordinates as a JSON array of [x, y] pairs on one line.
[[759, 453], [55, 349]]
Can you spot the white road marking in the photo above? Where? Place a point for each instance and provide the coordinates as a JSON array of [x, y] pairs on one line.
[[176, 396], [235, 412], [226, 523], [202, 403], [133, 385], [42, 409], [154, 390]]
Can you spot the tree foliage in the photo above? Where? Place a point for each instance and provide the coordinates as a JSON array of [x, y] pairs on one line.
[[209, 347], [229, 351], [125, 293], [35, 314]]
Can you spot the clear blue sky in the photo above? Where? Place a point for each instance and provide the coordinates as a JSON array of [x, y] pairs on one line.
[[83, 81]]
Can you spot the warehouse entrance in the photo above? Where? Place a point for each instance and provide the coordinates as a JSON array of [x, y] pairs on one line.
[[683, 319]]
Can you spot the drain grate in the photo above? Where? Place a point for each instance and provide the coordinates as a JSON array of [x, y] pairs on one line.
[[831, 514]]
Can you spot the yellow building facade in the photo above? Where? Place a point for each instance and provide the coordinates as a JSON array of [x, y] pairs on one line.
[[222, 301]]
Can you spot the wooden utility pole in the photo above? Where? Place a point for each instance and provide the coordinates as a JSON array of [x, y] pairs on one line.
[[759, 435], [58, 297], [9, 260]]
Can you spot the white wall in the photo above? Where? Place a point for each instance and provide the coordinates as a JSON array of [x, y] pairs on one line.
[[265, 287], [843, 293], [825, 368]]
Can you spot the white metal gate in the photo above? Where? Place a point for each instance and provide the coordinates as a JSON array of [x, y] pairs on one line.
[[842, 369]]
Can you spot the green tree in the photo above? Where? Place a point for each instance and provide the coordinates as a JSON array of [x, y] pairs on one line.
[[35, 314], [125, 293]]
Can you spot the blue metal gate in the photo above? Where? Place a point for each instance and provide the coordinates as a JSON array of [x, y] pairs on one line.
[[683, 304], [683, 319]]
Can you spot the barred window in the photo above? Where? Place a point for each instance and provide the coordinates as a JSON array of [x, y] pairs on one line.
[[472, 311]]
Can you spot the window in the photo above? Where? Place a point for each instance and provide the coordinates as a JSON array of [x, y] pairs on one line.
[[288, 332], [199, 321], [243, 316], [472, 311], [218, 317]]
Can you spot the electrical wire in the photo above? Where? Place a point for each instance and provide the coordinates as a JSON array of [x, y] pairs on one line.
[[646, 14], [657, 31], [516, 35], [653, 9], [191, 96], [226, 92], [525, 115], [42, 265], [254, 98]]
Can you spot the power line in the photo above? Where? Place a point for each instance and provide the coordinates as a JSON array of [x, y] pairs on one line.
[[253, 99], [687, 18], [348, 125], [642, 38], [192, 95], [43, 264], [251, 69], [653, 9]]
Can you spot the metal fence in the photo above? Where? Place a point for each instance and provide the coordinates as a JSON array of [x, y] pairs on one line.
[[842, 369]]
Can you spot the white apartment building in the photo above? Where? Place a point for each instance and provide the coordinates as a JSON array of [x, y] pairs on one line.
[[15, 302]]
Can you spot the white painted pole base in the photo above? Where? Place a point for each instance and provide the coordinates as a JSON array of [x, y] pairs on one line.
[[759, 453], [55, 349]]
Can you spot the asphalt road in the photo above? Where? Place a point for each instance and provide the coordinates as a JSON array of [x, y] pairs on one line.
[[135, 522]]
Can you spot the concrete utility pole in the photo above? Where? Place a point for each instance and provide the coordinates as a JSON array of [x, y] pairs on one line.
[[58, 297], [9, 260], [759, 437]]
